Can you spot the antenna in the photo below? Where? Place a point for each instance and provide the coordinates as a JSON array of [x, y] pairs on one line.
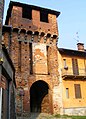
[[77, 37]]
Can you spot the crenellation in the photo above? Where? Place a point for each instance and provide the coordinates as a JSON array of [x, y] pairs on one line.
[[35, 16], [15, 16]]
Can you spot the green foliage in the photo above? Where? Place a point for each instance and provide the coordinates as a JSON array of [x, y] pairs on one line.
[[71, 117], [78, 117]]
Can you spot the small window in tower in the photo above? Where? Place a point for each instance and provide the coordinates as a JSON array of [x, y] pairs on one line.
[[27, 13], [44, 16]]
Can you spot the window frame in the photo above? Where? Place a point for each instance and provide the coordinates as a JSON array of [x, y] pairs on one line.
[[75, 66], [77, 88]]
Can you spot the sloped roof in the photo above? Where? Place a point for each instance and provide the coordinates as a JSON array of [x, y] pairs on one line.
[[69, 52]]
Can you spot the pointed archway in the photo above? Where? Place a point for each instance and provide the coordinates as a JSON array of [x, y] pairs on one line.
[[39, 99]]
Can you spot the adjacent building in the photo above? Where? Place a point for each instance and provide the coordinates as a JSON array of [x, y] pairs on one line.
[[72, 70], [7, 79], [7, 87]]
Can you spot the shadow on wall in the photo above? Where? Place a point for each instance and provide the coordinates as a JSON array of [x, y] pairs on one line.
[[39, 101]]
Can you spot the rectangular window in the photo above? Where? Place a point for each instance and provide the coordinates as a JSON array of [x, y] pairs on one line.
[[75, 67], [77, 90], [44, 16], [27, 13], [67, 92]]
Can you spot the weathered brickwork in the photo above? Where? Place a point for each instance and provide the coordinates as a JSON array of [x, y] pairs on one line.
[[34, 53], [35, 25]]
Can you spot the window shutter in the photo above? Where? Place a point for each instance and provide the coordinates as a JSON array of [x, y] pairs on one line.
[[77, 91], [75, 67]]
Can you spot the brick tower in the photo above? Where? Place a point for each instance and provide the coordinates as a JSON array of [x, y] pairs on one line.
[[32, 47]]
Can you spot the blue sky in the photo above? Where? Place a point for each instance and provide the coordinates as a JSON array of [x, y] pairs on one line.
[[71, 22]]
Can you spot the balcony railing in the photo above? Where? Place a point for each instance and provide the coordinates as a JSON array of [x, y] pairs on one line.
[[70, 72]]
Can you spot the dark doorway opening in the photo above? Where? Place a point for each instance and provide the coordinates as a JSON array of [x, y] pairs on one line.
[[38, 91]]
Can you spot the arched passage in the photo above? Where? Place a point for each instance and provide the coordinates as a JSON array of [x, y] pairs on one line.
[[39, 98]]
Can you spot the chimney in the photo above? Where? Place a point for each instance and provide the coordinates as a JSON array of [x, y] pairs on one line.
[[80, 46]]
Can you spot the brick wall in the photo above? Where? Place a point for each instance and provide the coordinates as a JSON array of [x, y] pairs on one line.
[[44, 58], [35, 24]]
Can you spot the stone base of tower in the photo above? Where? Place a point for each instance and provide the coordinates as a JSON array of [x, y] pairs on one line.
[[75, 111], [40, 96], [57, 100]]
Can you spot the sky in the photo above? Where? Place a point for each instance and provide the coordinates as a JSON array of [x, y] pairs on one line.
[[71, 22]]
